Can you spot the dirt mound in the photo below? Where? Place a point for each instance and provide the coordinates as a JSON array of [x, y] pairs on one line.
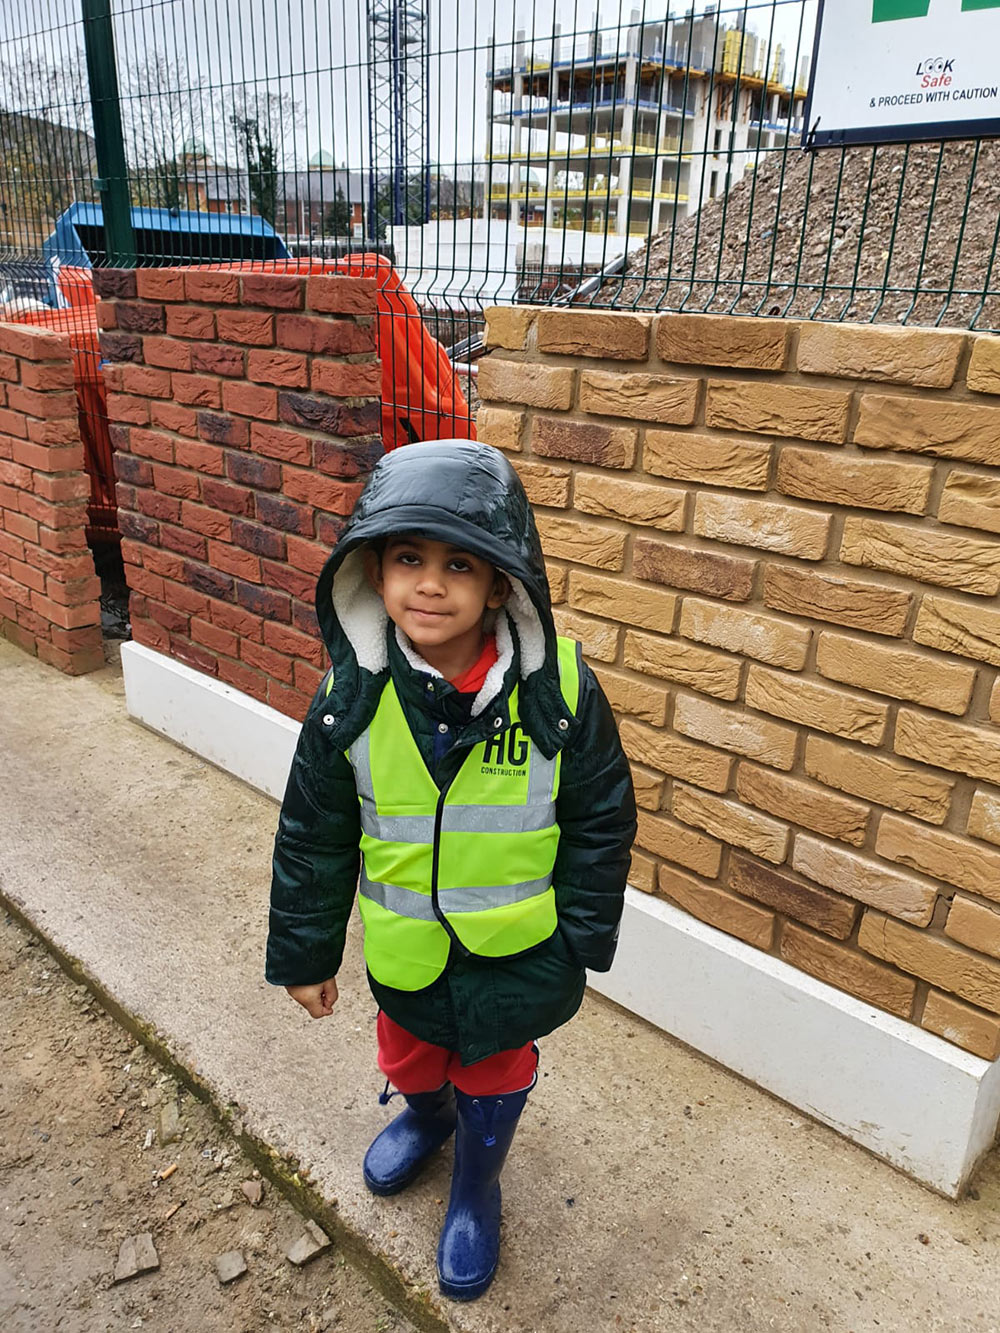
[[891, 234]]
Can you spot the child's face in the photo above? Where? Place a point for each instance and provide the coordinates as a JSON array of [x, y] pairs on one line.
[[437, 594]]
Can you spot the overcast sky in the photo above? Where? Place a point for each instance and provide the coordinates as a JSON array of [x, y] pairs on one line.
[[314, 51]]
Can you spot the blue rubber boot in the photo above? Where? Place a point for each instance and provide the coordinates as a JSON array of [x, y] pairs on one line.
[[397, 1155], [469, 1248]]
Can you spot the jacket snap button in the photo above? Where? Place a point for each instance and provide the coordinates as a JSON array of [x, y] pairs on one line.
[[328, 720], [498, 721], [442, 727], [430, 685], [563, 724]]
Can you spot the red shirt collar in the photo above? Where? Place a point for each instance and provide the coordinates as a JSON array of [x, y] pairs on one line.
[[471, 681]]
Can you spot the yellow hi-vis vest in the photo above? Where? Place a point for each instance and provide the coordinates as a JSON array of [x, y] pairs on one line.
[[471, 862]]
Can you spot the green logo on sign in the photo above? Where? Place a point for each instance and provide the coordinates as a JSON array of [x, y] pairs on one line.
[[887, 11]]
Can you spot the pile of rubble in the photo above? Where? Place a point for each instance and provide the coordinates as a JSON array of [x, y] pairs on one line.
[[894, 233]]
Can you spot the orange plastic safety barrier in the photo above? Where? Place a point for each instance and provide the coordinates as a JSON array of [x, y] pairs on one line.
[[79, 322], [421, 397]]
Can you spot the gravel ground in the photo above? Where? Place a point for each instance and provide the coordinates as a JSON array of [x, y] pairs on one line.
[[83, 1168]]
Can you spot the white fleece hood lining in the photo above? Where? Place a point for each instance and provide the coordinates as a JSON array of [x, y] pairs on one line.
[[361, 613], [363, 619]]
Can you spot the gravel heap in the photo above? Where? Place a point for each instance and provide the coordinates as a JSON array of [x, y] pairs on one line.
[[893, 234]]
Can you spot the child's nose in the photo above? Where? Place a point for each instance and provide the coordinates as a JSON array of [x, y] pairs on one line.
[[431, 580]]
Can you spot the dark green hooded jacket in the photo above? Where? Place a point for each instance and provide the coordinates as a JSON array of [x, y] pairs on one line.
[[466, 494]]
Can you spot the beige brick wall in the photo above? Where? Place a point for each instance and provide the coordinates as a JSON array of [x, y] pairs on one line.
[[779, 545]]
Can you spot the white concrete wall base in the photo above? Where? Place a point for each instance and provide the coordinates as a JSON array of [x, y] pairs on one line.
[[920, 1103], [248, 739]]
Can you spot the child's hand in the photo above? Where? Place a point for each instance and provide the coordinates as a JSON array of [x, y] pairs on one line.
[[318, 1000]]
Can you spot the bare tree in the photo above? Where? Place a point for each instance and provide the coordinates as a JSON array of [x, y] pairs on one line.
[[48, 90], [164, 113], [260, 127], [47, 155]]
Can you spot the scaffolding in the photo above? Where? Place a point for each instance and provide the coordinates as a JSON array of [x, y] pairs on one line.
[[399, 178]]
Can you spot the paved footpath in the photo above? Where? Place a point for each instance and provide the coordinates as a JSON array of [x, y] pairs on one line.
[[647, 1188]]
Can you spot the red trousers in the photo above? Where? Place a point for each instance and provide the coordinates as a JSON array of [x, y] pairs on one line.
[[412, 1065]]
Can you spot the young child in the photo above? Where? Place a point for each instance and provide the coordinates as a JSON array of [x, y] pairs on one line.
[[466, 761]]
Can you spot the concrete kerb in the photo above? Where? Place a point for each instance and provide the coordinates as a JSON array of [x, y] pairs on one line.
[[284, 1173]]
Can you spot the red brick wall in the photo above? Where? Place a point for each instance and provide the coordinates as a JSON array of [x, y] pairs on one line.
[[48, 589], [245, 418]]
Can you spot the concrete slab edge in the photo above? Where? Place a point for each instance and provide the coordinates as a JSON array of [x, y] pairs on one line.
[[284, 1173], [919, 1103]]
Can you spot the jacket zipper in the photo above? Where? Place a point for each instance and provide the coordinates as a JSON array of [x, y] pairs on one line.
[[435, 859]]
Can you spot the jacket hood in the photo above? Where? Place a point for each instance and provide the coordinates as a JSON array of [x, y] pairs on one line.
[[465, 493]]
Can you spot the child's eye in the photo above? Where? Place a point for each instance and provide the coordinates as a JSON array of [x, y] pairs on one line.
[[408, 558], [459, 566]]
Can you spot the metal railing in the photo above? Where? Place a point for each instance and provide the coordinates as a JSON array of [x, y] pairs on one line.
[[496, 150], [265, 110]]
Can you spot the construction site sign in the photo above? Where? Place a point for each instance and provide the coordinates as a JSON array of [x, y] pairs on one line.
[[888, 71]]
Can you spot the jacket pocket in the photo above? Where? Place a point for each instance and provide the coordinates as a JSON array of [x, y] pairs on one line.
[[563, 950]]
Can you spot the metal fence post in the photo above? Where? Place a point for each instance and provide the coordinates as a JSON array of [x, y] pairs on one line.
[[112, 182]]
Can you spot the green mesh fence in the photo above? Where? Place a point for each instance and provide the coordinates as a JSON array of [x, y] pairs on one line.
[[495, 149], [615, 155]]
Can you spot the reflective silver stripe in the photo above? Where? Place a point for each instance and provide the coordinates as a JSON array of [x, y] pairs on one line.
[[497, 818], [396, 828], [501, 895], [418, 829], [456, 819], [402, 902], [418, 906], [541, 778], [361, 761]]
